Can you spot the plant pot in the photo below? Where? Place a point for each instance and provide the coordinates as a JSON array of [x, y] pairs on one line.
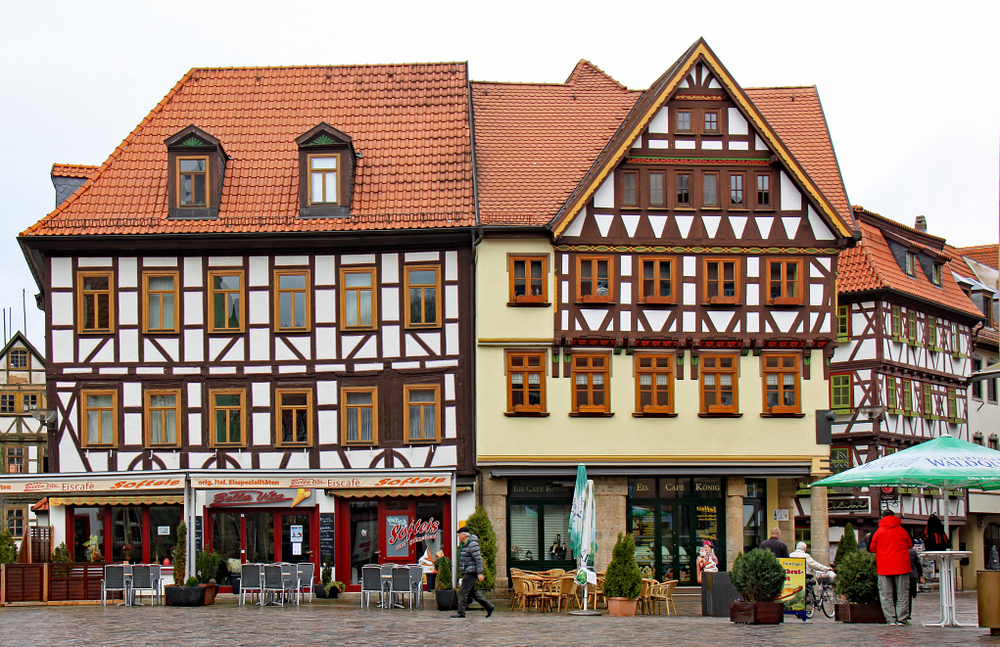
[[209, 590], [621, 607], [859, 613], [757, 613], [447, 599], [234, 581], [184, 596], [431, 580], [319, 590]]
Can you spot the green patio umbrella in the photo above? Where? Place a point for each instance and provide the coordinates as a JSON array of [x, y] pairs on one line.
[[944, 462]]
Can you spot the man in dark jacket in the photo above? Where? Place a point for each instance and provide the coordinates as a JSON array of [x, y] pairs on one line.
[[774, 544], [470, 565], [891, 545]]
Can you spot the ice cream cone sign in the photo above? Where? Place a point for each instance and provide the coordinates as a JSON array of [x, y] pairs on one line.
[[300, 496]]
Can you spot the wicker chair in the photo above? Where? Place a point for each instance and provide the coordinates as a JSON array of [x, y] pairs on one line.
[[596, 593], [531, 593], [668, 595], [562, 589], [646, 595]]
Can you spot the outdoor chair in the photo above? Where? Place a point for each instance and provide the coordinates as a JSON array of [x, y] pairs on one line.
[[371, 582], [114, 580], [596, 593], [251, 577], [142, 580], [417, 582], [401, 584], [668, 595], [305, 579], [385, 570], [531, 593], [275, 584], [562, 589], [290, 576], [646, 596]]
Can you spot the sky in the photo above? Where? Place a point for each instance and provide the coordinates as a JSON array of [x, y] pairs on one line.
[[910, 91]]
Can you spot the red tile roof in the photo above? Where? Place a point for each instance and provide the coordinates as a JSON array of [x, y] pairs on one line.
[[535, 141], [796, 115], [985, 254], [871, 266], [85, 171], [411, 122]]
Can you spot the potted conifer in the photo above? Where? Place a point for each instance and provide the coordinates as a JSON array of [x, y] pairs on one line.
[[444, 594], [857, 580], [623, 581], [759, 578]]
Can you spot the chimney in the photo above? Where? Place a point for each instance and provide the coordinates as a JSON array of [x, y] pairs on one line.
[[921, 224]]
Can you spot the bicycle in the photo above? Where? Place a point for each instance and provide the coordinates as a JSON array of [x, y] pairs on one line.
[[826, 598]]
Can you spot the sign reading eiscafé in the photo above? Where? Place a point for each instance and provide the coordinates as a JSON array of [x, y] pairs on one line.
[[97, 485], [352, 482]]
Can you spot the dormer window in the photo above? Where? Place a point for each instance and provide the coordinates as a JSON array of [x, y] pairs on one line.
[[910, 264], [197, 166], [936, 274], [326, 172]]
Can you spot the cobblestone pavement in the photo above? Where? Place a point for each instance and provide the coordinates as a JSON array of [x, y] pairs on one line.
[[341, 622]]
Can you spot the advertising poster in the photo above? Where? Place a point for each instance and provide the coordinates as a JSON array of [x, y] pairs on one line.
[[794, 593]]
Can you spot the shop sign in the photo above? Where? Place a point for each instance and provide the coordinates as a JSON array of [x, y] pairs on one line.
[[794, 593], [233, 498], [382, 482], [858, 504], [414, 532], [540, 489], [96, 485]]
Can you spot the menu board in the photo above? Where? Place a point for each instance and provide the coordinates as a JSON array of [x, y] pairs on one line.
[[198, 534], [326, 538]]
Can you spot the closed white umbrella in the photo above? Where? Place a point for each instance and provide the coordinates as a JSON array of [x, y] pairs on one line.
[[583, 534]]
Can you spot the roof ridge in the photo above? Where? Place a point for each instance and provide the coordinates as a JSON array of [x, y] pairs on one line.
[[322, 66], [783, 87], [583, 64], [907, 228], [113, 156]]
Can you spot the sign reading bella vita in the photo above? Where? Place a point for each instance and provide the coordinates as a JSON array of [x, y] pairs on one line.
[[257, 498]]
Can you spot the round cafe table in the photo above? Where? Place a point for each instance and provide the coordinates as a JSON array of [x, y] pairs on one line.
[[947, 559]]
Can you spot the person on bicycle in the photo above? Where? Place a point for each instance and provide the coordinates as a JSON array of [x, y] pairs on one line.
[[812, 566]]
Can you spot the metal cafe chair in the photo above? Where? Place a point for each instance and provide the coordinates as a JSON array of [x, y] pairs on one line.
[[114, 580], [274, 586], [304, 583], [290, 576], [251, 581], [417, 582], [385, 570], [371, 582], [401, 584], [142, 580]]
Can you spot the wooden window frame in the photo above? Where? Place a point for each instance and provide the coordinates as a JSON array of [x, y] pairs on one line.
[[212, 408], [737, 270], [23, 406], [844, 321], [911, 326], [908, 396], [796, 370], [439, 292], [7, 509], [897, 323], [208, 180], [955, 341], [309, 179], [677, 121], [758, 205], [594, 297], [662, 204], [147, 328], [306, 293], [675, 191], [657, 261], [834, 386], [84, 410], [892, 395], [800, 284], [438, 406], [718, 371], [932, 333], [279, 414], [705, 114], [636, 201], [936, 273], [928, 400], [148, 412], [745, 204], [12, 399], [19, 352], [344, 411], [211, 292], [373, 273], [654, 371], [910, 264], [705, 204], [25, 456], [511, 369], [81, 302], [526, 299], [953, 404], [591, 390]]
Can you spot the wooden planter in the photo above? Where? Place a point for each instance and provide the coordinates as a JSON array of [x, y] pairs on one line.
[[859, 613], [210, 591], [447, 599], [621, 607], [757, 613]]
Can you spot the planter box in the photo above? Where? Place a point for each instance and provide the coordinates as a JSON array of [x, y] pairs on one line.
[[447, 599], [184, 596], [757, 613], [210, 591], [621, 607], [717, 594], [859, 613]]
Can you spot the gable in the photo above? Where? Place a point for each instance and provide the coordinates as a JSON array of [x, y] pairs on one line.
[[698, 76]]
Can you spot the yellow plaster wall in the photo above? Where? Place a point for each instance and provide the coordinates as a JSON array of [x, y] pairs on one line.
[[494, 318]]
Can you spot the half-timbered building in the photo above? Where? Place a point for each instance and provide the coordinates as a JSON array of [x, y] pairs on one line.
[[23, 438], [669, 305], [258, 317], [898, 377]]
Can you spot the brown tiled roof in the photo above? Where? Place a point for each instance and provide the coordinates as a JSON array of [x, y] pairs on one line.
[[535, 141], [410, 122], [985, 254], [871, 266], [85, 171], [796, 115], [989, 336]]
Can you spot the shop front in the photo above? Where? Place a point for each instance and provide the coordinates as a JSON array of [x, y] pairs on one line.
[[134, 528], [538, 524], [671, 518]]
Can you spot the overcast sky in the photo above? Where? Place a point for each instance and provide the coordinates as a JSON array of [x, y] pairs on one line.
[[910, 89]]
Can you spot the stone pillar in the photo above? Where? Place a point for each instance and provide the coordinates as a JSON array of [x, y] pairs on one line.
[[786, 501], [610, 494], [735, 489], [494, 492], [819, 524]]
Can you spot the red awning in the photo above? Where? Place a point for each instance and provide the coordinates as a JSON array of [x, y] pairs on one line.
[[118, 499]]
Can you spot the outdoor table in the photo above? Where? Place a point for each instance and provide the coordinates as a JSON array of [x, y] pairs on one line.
[[947, 586]]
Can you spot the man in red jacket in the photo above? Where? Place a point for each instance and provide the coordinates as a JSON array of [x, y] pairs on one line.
[[891, 545]]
